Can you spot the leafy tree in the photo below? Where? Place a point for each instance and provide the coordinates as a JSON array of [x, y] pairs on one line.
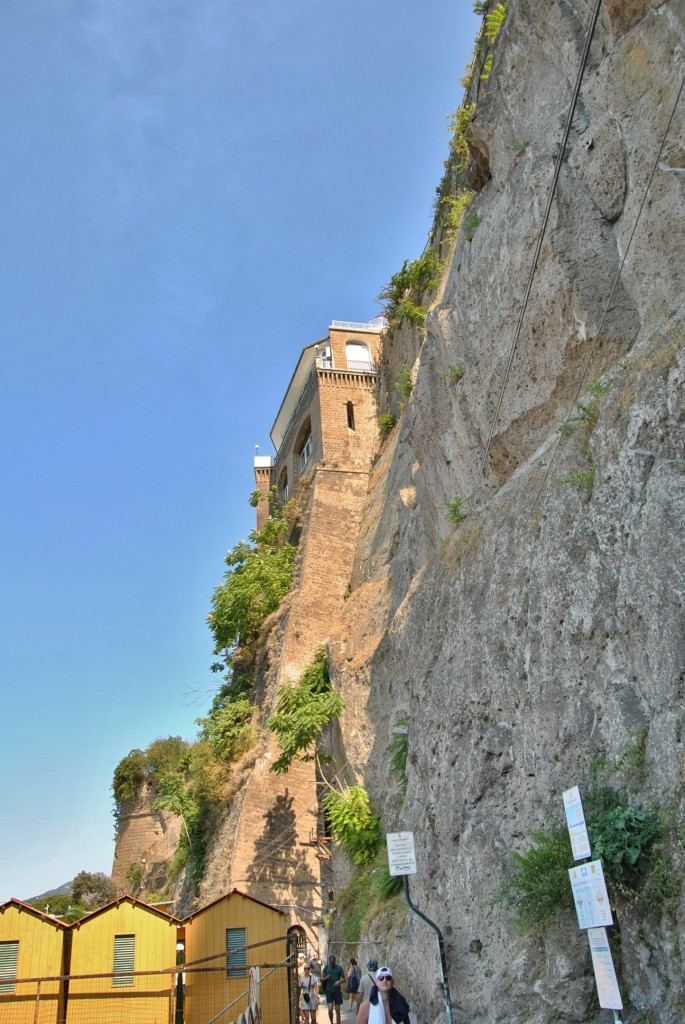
[[163, 755], [258, 578], [302, 711], [128, 775], [175, 797], [177, 794], [92, 890], [354, 825], [228, 728], [146, 765]]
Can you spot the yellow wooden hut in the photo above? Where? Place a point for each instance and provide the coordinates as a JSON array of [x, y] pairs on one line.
[[109, 949], [32, 960], [222, 942]]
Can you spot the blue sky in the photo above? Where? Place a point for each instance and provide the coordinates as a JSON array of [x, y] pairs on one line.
[[191, 192]]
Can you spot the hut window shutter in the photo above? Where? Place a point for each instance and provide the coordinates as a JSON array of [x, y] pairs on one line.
[[236, 953], [9, 954], [124, 946]]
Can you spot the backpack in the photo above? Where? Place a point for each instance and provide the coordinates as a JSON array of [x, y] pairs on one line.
[[353, 981]]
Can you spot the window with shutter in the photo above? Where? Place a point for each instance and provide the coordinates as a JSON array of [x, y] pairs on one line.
[[123, 959], [9, 954], [236, 953]]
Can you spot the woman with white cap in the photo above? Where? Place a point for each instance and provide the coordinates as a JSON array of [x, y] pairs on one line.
[[385, 1004], [308, 985]]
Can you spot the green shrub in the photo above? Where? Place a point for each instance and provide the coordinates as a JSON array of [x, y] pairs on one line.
[[537, 888], [403, 383], [471, 222], [583, 480], [457, 206], [367, 893], [302, 712], [134, 876], [354, 825], [146, 766], [494, 21], [456, 510], [454, 373], [409, 313], [626, 838], [386, 422], [459, 147], [176, 795], [388, 885], [129, 774], [228, 727], [401, 297], [258, 577]]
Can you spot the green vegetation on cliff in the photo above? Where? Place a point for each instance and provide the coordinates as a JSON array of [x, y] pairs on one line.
[[302, 712], [641, 848], [258, 577], [354, 824]]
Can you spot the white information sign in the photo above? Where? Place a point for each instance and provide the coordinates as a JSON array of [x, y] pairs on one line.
[[605, 975], [575, 819], [401, 854], [590, 895]]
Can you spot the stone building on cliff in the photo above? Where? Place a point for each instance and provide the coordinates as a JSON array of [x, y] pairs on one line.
[[325, 434], [327, 419]]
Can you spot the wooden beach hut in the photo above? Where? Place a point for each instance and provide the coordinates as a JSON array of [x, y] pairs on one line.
[[223, 941], [33, 947], [108, 950]]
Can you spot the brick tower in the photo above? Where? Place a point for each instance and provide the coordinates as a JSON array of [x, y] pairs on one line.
[[325, 432]]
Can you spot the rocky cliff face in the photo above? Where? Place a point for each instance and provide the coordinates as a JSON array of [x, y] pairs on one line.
[[547, 630], [548, 627]]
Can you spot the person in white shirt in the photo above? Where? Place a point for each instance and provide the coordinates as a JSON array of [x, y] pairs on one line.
[[385, 1005], [308, 985]]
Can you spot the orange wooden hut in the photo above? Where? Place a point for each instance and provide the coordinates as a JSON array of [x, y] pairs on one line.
[[33, 948], [222, 942], [108, 950]]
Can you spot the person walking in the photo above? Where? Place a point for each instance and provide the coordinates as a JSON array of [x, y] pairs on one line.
[[367, 982], [308, 985], [385, 1005], [354, 976], [332, 977]]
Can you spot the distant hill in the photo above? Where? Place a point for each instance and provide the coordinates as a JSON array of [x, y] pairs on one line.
[[61, 890]]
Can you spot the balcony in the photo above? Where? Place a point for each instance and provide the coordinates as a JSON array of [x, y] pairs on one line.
[[353, 365], [377, 326]]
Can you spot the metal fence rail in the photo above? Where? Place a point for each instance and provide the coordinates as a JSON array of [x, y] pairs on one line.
[[198, 992]]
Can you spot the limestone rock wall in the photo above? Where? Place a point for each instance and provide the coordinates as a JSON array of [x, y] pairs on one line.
[[539, 632]]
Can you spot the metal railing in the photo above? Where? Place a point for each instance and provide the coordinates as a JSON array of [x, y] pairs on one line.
[[350, 325], [355, 365]]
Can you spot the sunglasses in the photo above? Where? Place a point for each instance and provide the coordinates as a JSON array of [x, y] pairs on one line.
[[384, 977]]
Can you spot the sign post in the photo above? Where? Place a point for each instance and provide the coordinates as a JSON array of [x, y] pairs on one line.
[[592, 904], [402, 862]]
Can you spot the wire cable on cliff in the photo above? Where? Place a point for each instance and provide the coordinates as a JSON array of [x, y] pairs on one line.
[[538, 248], [598, 335]]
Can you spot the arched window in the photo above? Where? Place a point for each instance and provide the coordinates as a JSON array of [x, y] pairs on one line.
[[357, 355], [350, 416], [325, 357]]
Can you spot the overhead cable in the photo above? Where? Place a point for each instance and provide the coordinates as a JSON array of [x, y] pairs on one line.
[[609, 300]]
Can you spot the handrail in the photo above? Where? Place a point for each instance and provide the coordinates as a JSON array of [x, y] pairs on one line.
[[351, 325]]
